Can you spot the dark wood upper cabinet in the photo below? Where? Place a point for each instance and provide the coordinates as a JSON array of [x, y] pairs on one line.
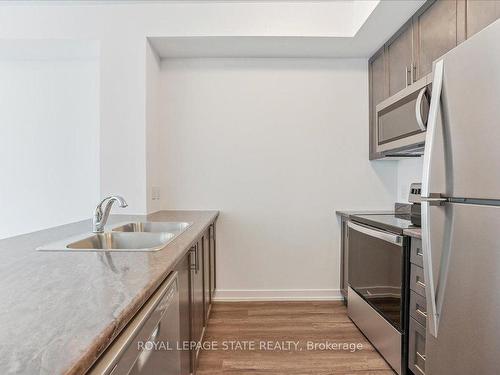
[[437, 27], [399, 50], [436, 32], [480, 13], [378, 91]]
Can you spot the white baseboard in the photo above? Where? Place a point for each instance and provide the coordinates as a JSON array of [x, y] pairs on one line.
[[226, 295]]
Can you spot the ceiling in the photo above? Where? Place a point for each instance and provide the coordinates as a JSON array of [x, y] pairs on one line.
[[254, 28], [358, 29]]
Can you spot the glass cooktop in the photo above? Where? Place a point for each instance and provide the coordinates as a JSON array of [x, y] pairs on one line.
[[391, 222]]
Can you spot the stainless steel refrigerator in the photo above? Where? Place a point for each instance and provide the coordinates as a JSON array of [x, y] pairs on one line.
[[461, 210]]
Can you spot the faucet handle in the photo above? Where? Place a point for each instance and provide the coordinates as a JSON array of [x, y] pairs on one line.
[[101, 216]]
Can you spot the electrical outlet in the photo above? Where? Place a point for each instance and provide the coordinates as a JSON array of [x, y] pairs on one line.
[[155, 193]]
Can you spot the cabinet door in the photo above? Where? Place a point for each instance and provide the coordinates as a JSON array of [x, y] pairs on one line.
[[378, 91], [435, 34], [206, 276], [212, 261], [196, 288], [480, 13], [183, 277], [400, 58], [343, 255]]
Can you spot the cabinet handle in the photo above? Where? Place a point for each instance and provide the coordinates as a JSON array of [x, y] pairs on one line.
[[418, 311], [192, 266], [421, 355], [413, 74], [197, 259], [154, 335], [212, 232], [406, 75], [421, 283]]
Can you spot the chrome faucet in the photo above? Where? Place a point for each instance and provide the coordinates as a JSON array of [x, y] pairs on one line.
[[101, 216]]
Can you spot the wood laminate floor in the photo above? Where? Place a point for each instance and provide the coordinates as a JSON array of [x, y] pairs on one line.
[[271, 325]]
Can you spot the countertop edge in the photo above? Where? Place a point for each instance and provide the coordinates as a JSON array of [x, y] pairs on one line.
[[89, 358], [413, 232], [349, 213]]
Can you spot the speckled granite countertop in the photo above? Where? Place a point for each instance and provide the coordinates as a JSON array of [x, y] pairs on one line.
[[413, 232], [61, 309]]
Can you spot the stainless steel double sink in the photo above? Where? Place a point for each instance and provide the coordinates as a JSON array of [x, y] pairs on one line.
[[131, 236]]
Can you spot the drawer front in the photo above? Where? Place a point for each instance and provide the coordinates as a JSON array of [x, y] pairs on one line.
[[416, 348], [416, 254], [418, 308], [417, 283]]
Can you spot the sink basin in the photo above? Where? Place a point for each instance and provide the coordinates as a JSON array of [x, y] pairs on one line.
[[135, 236], [155, 227], [123, 241], [113, 241]]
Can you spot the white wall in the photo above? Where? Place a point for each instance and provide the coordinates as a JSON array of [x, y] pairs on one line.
[[153, 146], [278, 210], [277, 145], [49, 143], [121, 27], [409, 171]]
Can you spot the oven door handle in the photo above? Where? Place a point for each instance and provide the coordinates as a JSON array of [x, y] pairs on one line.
[[385, 236]]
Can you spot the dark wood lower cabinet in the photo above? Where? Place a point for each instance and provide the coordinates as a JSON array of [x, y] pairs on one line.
[[344, 261], [196, 288], [184, 276], [417, 311], [212, 261], [197, 308], [206, 274]]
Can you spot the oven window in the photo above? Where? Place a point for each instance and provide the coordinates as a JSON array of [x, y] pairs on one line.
[[376, 273], [398, 121]]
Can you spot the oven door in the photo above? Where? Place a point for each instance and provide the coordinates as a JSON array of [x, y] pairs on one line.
[[402, 119], [376, 270]]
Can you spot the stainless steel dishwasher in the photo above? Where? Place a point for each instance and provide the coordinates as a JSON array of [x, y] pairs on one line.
[[148, 344]]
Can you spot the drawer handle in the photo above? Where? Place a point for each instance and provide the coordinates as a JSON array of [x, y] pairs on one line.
[[154, 335], [424, 314], [420, 283], [420, 252], [421, 356]]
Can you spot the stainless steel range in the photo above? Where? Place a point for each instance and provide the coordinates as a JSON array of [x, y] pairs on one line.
[[379, 270]]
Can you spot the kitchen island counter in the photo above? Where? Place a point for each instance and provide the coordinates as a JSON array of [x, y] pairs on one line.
[[60, 310]]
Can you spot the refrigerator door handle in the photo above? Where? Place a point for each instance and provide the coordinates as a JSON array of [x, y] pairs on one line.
[[431, 198], [430, 291], [434, 201], [434, 116]]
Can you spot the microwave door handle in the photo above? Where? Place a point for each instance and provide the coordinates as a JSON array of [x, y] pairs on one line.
[[418, 109], [388, 237]]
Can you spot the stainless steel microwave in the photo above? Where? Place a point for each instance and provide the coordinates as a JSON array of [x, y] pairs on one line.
[[402, 120]]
